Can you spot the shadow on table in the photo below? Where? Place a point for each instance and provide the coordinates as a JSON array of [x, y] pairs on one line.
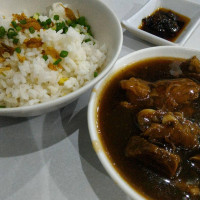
[[100, 182], [53, 130], [137, 44], [21, 136], [16, 137]]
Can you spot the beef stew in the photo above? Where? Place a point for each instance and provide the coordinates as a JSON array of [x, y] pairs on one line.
[[148, 120]]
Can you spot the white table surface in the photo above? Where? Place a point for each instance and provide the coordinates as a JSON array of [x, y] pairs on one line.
[[50, 157]]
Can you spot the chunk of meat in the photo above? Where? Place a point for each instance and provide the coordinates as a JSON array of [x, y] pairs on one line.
[[192, 65], [5, 48], [148, 116], [169, 95], [191, 68], [191, 189], [139, 88], [196, 159], [128, 105], [137, 91], [153, 156], [172, 128], [33, 42]]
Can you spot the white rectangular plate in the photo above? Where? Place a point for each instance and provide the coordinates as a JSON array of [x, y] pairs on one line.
[[184, 7]]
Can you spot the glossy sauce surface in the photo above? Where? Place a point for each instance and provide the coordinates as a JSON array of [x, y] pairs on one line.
[[116, 125], [165, 23]]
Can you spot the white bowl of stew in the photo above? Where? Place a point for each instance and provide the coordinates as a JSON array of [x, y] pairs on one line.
[[111, 127]]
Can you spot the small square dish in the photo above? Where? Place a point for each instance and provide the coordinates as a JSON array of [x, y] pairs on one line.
[[183, 7]]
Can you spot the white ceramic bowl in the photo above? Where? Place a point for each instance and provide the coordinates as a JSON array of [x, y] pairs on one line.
[[179, 52], [106, 29]]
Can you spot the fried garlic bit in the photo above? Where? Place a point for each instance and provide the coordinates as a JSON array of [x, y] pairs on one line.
[[54, 67], [21, 58], [19, 17], [29, 22], [33, 42], [69, 13], [2, 69], [52, 52], [5, 48]]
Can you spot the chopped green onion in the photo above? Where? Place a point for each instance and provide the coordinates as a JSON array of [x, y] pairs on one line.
[[63, 54], [90, 33], [11, 33], [18, 28], [48, 21], [81, 21], [73, 24], [87, 40], [45, 57], [45, 26], [69, 22], [14, 24], [23, 21], [95, 74], [88, 27], [2, 31], [57, 61], [1, 106], [56, 17], [32, 30], [11, 29], [59, 26], [18, 50], [36, 16], [65, 29], [15, 40], [43, 23]]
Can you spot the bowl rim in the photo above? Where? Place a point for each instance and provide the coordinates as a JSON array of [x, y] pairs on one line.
[[78, 92], [92, 124]]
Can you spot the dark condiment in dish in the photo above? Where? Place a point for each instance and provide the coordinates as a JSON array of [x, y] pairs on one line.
[[165, 23], [119, 127]]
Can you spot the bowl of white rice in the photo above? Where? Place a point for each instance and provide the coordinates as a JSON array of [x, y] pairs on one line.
[[52, 52]]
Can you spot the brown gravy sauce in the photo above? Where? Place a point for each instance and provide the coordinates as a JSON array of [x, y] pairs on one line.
[[116, 125]]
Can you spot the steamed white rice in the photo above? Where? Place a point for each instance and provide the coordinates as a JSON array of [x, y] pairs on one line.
[[30, 81]]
